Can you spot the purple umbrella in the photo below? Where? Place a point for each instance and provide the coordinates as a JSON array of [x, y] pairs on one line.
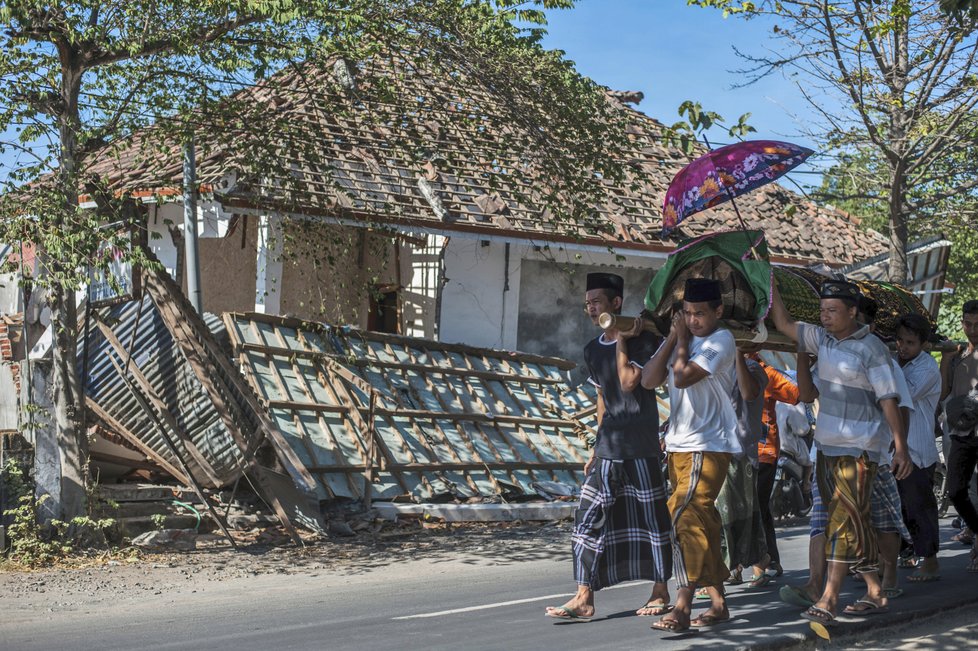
[[724, 173]]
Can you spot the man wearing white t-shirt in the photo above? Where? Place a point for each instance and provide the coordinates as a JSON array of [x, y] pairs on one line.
[[698, 360]]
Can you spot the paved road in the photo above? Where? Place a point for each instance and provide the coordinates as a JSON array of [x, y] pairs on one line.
[[472, 602]]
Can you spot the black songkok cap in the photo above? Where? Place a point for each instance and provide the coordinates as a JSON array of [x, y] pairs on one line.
[[841, 289], [701, 290], [614, 282]]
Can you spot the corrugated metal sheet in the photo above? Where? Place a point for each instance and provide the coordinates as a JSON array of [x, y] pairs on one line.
[[446, 420], [927, 264], [138, 326]]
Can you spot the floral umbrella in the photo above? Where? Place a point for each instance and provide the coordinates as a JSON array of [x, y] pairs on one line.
[[727, 172]]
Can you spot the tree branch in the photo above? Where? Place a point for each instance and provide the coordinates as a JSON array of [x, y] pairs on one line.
[[205, 34]]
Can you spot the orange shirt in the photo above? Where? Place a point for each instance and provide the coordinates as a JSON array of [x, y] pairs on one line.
[[779, 389]]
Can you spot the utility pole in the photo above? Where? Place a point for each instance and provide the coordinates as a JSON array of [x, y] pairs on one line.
[[191, 251]]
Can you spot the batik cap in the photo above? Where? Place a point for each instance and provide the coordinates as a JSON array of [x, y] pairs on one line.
[[841, 289], [701, 290]]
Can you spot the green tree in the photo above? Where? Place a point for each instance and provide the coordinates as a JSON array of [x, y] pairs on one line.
[[894, 80], [83, 76], [857, 185]]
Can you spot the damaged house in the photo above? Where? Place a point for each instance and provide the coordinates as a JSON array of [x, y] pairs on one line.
[[437, 268]]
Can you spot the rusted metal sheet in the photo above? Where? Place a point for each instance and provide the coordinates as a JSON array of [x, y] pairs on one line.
[[416, 417]]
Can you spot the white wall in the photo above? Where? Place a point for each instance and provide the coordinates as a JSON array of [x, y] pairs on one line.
[[476, 310], [421, 267], [475, 307]]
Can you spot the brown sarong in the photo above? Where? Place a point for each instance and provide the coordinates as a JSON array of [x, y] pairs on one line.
[[846, 486], [696, 479]]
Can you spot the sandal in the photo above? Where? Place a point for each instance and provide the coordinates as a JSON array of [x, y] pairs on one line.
[[655, 607], [670, 625], [819, 616], [759, 580], [563, 612], [865, 608], [706, 619], [919, 576]]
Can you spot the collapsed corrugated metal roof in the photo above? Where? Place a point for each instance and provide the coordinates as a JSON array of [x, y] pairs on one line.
[[418, 417], [212, 455], [157, 376]]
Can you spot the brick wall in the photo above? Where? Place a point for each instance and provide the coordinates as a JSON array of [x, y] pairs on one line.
[[8, 335]]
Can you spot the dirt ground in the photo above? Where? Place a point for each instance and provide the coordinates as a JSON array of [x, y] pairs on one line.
[[97, 578]]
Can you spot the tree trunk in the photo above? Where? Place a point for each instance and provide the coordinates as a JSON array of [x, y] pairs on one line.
[[897, 271], [899, 121], [66, 388]]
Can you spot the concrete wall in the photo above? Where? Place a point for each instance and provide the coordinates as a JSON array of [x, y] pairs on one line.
[[552, 320], [542, 311]]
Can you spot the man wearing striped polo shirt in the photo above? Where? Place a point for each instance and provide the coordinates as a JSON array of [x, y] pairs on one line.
[[857, 391]]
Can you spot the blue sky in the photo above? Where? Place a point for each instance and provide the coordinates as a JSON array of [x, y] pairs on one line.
[[672, 52]]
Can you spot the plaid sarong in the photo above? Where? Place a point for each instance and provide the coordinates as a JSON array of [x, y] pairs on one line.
[[622, 529], [886, 513], [819, 517]]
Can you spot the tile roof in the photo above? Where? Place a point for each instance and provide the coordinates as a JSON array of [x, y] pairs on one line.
[[463, 182]]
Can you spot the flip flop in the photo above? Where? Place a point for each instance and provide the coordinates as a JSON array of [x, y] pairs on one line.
[[759, 581], [568, 614], [871, 608], [701, 594], [657, 606], [795, 596], [707, 619], [669, 625], [920, 576], [819, 616], [892, 593]]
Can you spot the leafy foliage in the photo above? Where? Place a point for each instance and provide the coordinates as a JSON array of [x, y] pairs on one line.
[[893, 82], [88, 76]]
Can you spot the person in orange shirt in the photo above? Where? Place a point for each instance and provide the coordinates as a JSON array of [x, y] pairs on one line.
[[779, 388]]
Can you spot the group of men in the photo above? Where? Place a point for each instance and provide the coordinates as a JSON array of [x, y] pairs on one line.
[[875, 455]]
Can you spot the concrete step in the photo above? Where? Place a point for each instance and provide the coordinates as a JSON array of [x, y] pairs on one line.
[[133, 526], [145, 492]]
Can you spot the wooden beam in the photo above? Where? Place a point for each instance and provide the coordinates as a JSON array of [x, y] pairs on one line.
[[458, 466], [114, 425], [421, 368], [422, 414]]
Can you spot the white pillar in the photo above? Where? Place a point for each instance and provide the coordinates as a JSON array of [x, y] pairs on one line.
[[268, 269]]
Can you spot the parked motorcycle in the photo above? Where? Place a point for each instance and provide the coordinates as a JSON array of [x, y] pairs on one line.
[[787, 498]]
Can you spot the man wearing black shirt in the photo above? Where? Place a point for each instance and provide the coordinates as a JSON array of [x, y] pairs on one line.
[[622, 526]]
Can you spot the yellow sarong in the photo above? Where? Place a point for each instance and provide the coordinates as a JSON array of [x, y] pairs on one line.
[[696, 479]]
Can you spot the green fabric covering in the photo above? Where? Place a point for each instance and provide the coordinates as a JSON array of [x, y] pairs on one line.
[[730, 248]]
